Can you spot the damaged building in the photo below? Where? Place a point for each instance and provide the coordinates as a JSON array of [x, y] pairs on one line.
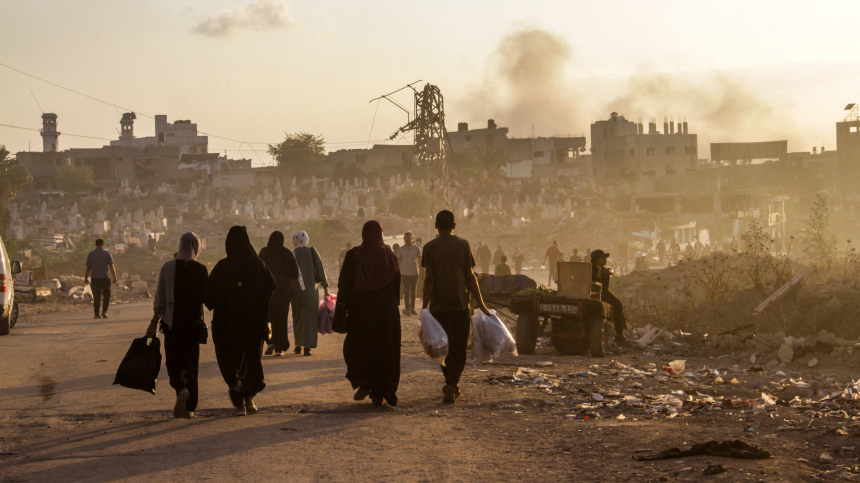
[[622, 150]]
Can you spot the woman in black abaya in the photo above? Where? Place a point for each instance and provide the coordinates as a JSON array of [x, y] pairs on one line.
[[238, 292], [281, 263], [369, 292]]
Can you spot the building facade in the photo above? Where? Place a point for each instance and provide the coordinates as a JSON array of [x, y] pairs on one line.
[[621, 149]]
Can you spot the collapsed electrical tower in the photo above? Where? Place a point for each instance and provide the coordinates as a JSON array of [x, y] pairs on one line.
[[432, 153]]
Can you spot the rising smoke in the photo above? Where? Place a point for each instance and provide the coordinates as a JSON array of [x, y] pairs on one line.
[[718, 106], [525, 84], [264, 15]]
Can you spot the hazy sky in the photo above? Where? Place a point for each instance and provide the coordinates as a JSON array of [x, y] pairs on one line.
[[251, 70]]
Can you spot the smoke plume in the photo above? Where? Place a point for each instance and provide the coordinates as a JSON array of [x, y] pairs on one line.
[[264, 15], [525, 84], [718, 107]]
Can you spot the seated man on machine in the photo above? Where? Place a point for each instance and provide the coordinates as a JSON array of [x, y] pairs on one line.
[[599, 273]]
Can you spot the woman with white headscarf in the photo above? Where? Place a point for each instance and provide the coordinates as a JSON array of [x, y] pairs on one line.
[[179, 306], [306, 295]]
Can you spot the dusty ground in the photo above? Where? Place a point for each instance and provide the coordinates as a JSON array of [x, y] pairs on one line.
[[62, 420]]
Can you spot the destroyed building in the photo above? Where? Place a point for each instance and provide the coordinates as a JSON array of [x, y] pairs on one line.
[[621, 149], [540, 157]]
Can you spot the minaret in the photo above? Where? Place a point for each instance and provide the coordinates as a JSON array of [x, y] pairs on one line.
[[127, 123], [49, 133]]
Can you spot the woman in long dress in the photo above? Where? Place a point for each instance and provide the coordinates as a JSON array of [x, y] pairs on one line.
[[306, 294], [369, 292], [238, 293], [178, 305], [280, 262]]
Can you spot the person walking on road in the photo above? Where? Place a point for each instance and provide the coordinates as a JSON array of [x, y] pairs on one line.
[[409, 257], [100, 265], [449, 280], [519, 258], [367, 293], [497, 256], [575, 257], [238, 292], [483, 255], [551, 259], [178, 305], [281, 263], [306, 293]]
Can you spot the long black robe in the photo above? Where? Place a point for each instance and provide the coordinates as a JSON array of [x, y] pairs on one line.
[[238, 292], [372, 345], [282, 265]]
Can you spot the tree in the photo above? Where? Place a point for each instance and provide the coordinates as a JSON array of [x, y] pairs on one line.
[[410, 202], [299, 154], [13, 177], [818, 246], [74, 180], [491, 159], [757, 247]]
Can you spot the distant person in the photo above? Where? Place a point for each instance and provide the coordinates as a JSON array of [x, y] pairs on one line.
[[697, 249], [661, 251], [502, 268], [497, 256], [396, 248], [100, 265], [599, 273], [343, 254], [306, 294], [551, 261], [238, 292], [419, 290], [575, 257], [178, 305], [587, 254], [706, 250], [483, 256], [367, 292], [674, 252], [519, 258], [408, 258], [282, 265], [689, 253], [151, 243], [448, 265]]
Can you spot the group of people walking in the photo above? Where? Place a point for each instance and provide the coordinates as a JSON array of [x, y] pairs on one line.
[[251, 295]]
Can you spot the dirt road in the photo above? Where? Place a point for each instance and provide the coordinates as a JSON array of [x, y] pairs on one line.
[[62, 420]]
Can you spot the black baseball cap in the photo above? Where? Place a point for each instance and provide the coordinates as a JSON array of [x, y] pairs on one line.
[[598, 254]]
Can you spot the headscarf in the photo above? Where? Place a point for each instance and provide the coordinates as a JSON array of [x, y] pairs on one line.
[[237, 243], [375, 263], [189, 247], [278, 258], [276, 240], [300, 239]]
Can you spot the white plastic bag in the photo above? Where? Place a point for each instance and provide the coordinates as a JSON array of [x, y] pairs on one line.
[[433, 337], [88, 293], [490, 338]]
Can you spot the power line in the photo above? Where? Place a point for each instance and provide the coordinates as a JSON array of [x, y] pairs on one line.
[[70, 90], [117, 106], [64, 134]]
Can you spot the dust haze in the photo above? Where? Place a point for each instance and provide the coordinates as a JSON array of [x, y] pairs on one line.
[[719, 107], [529, 84], [525, 84]]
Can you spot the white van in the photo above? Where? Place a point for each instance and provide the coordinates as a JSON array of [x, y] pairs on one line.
[[8, 270]]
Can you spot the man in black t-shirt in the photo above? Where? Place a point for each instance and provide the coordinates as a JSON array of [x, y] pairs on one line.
[[448, 283]]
